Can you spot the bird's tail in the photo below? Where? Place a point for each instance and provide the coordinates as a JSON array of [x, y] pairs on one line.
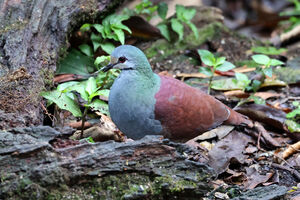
[[236, 118]]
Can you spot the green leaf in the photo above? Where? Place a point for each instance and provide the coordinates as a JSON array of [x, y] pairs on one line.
[[257, 100], [85, 27], [63, 86], [194, 29], [75, 63], [120, 34], [177, 27], [80, 88], [86, 49], [242, 80], [91, 86], [275, 62], [189, 13], [121, 26], [100, 29], [292, 126], [206, 71], [102, 59], [207, 57], [164, 31], [296, 103], [261, 59], [107, 47], [255, 85], [100, 106], [63, 101], [226, 84], [268, 50], [96, 39], [293, 114], [162, 10], [267, 71], [179, 12], [104, 92], [226, 66], [220, 61]]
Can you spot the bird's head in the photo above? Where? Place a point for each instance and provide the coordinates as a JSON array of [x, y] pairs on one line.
[[127, 57]]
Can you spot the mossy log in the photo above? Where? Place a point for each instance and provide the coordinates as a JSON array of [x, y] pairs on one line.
[[148, 168]]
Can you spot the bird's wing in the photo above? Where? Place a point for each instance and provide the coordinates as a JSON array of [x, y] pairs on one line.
[[184, 111]]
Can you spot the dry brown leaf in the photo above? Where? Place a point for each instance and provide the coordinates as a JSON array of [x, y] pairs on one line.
[[291, 150], [244, 69]]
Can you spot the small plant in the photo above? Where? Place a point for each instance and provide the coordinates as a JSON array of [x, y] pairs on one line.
[[214, 63], [147, 8], [64, 95], [243, 81], [184, 16], [111, 28], [267, 62], [294, 19], [293, 117]]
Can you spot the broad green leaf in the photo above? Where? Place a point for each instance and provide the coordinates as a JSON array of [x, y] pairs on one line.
[[226, 66], [107, 47], [120, 34], [226, 84], [275, 62], [257, 100], [179, 12], [164, 31], [205, 70], [80, 88], [96, 45], [96, 39], [189, 13], [268, 50], [177, 27], [102, 59], [91, 86], [162, 10], [261, 59], [85, 27], [193, 28], [86, 49], [220, 61], [267, 71], [292, 126], [75, 63], [100, 29], [61, 87], [296, 103], [104, 92], [293, 114], [63, 101], [207, 57], [242, 78], [255, 85], [100, 106], [121, 26]]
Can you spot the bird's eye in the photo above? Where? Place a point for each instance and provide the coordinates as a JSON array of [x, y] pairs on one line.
[[122, 59]]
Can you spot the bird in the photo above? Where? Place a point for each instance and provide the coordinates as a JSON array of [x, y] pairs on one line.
[[142, 102]]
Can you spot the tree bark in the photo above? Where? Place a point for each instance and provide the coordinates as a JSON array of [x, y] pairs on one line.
[[33, 35]]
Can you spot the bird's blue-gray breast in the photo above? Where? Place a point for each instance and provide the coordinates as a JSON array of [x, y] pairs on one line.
[[132, 104]]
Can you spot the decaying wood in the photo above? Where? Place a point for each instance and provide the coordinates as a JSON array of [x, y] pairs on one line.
[[33, 168]]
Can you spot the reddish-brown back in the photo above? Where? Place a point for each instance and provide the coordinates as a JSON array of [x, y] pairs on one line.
[[186, 112]]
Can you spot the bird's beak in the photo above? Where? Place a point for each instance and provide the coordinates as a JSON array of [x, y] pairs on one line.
[[108, 67]]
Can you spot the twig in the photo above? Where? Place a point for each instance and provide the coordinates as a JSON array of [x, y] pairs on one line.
[[265, 134], [52, 117]]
